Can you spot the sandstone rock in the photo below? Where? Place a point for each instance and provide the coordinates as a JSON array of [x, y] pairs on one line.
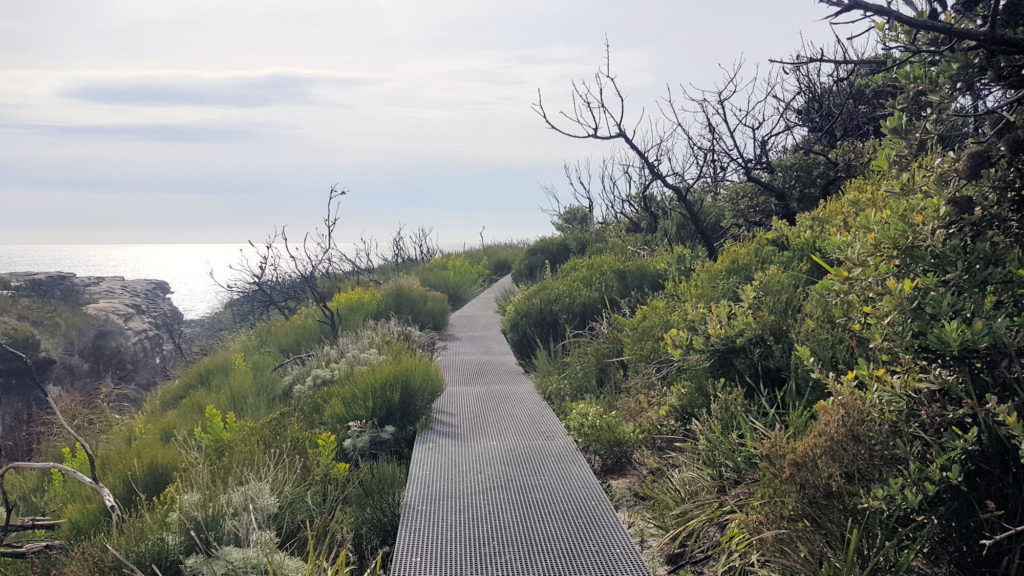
[[142, 308]]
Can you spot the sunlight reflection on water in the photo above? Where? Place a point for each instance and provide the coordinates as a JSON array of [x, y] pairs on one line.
[[186, 267]]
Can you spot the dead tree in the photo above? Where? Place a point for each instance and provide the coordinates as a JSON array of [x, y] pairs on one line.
[[282, 276], [262, 282], [988, 24], [682, 161], [22, 549], [598, 112], [742, 125], [317, 259], [617, 189], [406, 248]]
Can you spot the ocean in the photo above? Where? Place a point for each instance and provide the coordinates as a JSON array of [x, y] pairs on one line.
[[186, 267]]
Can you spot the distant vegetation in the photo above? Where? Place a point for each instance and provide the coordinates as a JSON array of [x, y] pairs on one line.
[[835, 390]]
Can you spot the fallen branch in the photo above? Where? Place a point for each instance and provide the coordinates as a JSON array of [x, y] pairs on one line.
[[108, 499], [23, 551], [32, 524], [1001, 537], [305, 356], [131, 568]]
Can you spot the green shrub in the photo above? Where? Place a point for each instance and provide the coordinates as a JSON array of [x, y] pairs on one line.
[[229, 465], [746, 341], [497, 258], [374, 508], [414, 305], [590, 365], [505, 298], [601, 434], [544, 256], [286, 338], [455, 277], [21, 337], [398, 392], [152, 536], [544, 314], [355, 306]]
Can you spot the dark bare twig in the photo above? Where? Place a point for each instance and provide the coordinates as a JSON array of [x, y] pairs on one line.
[[597, 112], [297, 358], [1009, 43]]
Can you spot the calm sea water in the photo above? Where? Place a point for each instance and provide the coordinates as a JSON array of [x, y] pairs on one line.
[[186, 267]]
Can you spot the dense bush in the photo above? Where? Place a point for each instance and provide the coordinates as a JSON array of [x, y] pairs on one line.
[[844, 387], [375, 507], [354, 306], [397, 391], [588, 366], [455, 277], [416, 305], [543, 257], [229, 464], [544, 314], [601, 434], [21, 337], [497, 258]]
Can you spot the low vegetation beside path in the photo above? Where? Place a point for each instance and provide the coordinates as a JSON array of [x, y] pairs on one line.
[[284, 450], [836, 390]]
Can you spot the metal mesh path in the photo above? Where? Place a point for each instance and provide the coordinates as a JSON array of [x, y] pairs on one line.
[[495, 485]]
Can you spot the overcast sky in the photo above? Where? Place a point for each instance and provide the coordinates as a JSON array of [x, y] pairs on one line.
[[215, 120]]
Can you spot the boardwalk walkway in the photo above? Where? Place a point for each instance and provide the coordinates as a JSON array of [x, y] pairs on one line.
[[496, 486]]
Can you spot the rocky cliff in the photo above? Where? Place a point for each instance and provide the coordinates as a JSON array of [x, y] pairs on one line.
[[152, 324], [103, 340]]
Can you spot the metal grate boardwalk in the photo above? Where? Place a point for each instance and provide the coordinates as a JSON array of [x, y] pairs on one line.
[[495, 485]]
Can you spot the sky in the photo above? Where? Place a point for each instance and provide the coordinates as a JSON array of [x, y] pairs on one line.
[[218, 120]]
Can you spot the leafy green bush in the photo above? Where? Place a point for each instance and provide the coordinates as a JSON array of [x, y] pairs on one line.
[[415, 305], [601, 434], [236, 466], [497, 258], [545, 313], [455, 277], [355, 306], [506, 296], [870, 298], [20, 336], [543, 257], [588, 366]]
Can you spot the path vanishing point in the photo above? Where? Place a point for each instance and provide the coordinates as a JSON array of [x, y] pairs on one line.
[[496, 486]]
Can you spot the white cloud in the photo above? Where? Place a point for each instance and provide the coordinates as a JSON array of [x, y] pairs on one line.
[[404, 101]]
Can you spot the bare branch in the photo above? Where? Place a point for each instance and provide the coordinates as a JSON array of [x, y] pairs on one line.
[[1009, 43], [1004, 536], [26, 550], [108, 498]]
